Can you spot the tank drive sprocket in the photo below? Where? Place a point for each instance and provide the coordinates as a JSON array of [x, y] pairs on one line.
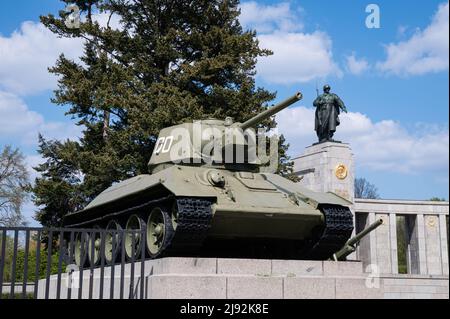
[[191, 220], [335, 233]]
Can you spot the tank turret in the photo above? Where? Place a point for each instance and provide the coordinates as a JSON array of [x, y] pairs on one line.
[[211, 141]]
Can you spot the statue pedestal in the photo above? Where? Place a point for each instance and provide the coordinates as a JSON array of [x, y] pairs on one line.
[[327, 167]]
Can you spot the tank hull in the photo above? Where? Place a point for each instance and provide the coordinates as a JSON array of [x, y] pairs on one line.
[[243, 206]]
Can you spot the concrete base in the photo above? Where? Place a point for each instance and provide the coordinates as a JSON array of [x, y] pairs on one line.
[[415, 287], [219, 278], [257, 279]]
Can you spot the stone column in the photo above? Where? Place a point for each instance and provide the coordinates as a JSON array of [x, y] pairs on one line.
[[444, 241], [420, 224], [383, 245], [327, 167], [363, 249], [413, 244], [433, 245], [393, 242], [373, 240]]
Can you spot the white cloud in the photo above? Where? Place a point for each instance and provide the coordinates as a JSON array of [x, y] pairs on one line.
[[26, 55], [105, 19], [380, 146], [15, 117], [426, 51], [356, 66], [19, 123], [401, 31], [298, 56], [266, 18], [29, 211]]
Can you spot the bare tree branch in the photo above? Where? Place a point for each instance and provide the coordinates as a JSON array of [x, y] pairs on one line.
[[364, 189], [14, 180]]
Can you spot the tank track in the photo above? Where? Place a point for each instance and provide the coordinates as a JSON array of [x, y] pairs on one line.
[[193, 223], [338, 229]]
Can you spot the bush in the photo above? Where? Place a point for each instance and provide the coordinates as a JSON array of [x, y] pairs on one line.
[[31, 271], [18, 296]]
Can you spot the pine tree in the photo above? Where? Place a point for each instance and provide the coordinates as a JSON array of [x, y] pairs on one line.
[[169, 62], [59, 190], [285, 165]]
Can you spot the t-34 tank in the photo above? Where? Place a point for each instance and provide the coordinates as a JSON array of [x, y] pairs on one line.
[[202, 203]]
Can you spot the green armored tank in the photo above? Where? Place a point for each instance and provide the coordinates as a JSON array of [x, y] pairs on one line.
[[201, 203]]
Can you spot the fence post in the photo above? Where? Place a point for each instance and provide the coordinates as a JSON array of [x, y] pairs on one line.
[[2, 260]]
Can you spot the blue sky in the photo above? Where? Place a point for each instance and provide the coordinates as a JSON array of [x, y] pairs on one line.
[[394, 81]]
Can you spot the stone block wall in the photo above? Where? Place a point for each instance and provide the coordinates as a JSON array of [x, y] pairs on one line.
[[415, 287]]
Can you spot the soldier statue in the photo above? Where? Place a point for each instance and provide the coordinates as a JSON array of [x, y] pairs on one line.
[[328, 107]]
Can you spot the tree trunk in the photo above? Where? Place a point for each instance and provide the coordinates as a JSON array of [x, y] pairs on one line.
[[106, 116]]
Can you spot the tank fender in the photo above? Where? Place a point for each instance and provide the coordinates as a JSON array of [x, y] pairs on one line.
[[178, 180], [304, 194]]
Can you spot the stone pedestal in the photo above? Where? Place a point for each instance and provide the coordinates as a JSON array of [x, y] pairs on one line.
[[222, 278], [327, 167]]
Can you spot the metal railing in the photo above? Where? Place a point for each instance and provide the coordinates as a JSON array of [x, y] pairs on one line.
[[66, 263]]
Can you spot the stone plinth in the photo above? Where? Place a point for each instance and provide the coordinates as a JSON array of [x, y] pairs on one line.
[[219, 278], [327, 167], [259, 279], [222, 278]]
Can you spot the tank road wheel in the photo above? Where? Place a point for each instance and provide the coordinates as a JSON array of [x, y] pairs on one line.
[[112, 246], [81, 249], [159, 232], [134, 225], [94, 240]]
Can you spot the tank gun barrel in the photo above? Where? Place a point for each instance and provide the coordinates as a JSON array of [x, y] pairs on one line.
[[350, 246], [271, 111]]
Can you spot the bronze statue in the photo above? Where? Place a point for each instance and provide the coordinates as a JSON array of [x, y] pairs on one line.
[[328, 107]]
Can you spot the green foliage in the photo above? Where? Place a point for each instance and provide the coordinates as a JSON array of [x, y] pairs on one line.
[[31, 263], [286, 166], [171, 62], [18, 296], [59, 190], [437, 199]]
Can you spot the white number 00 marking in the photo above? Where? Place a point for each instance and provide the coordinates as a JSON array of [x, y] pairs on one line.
[[163, 144]]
